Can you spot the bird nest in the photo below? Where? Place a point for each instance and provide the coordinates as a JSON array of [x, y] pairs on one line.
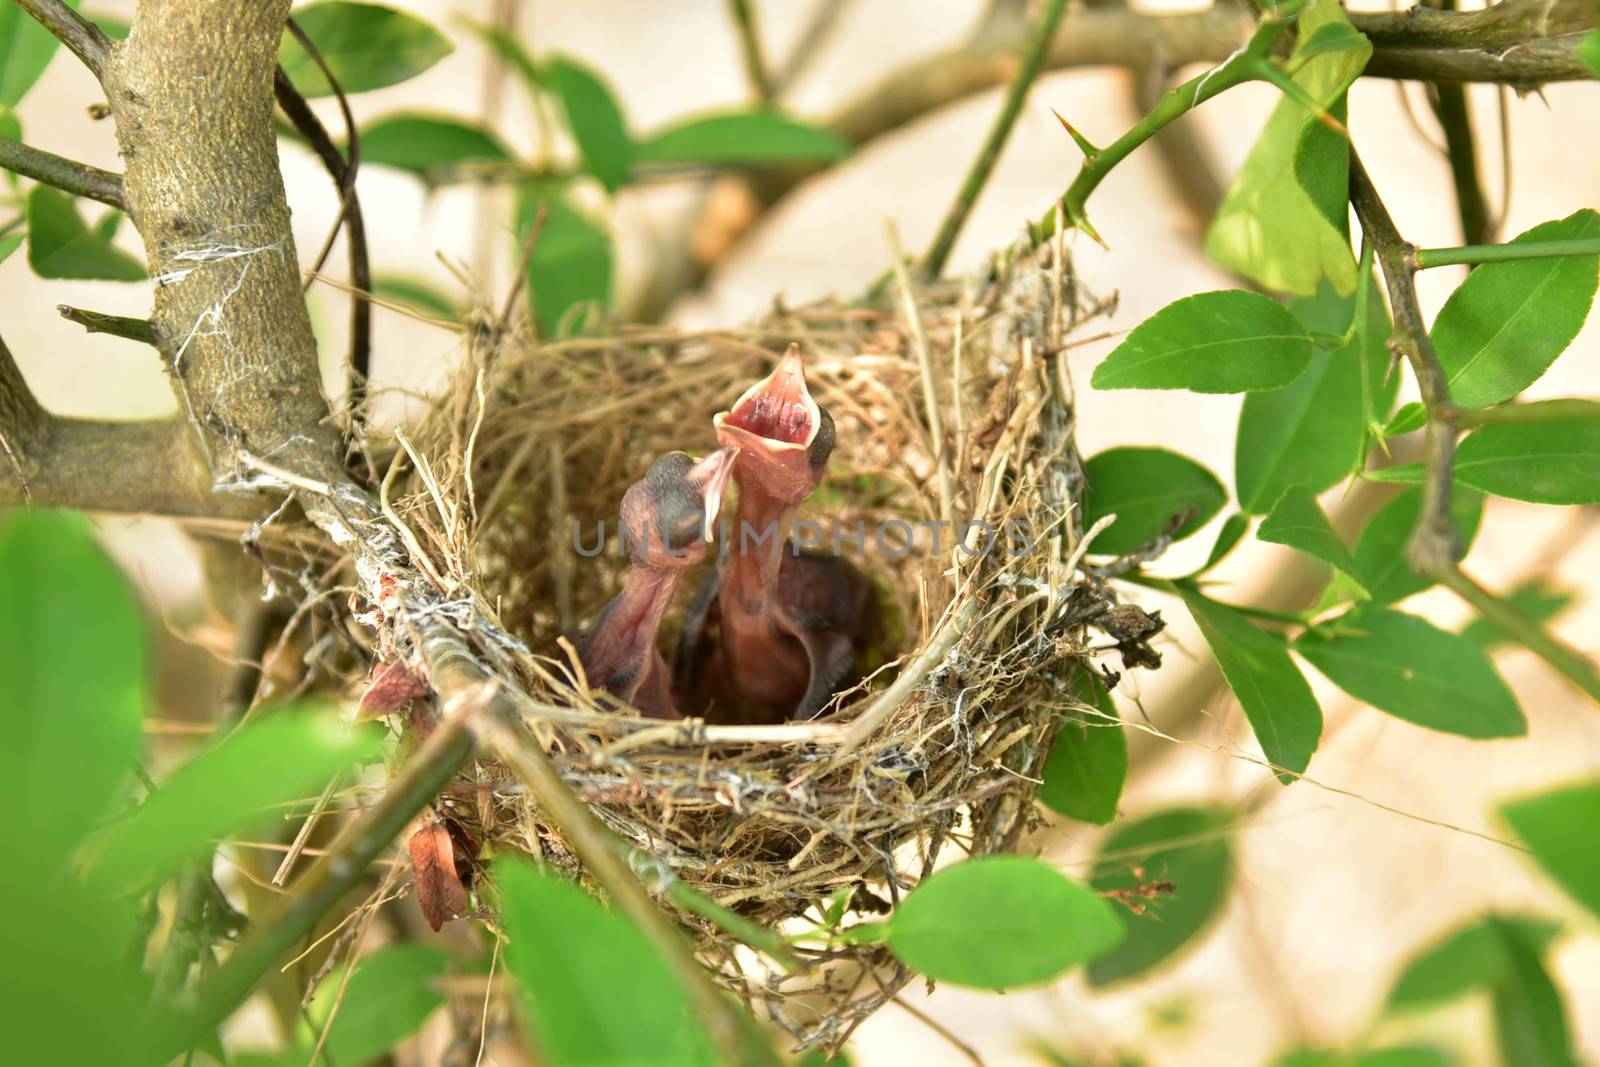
[[954, 456]]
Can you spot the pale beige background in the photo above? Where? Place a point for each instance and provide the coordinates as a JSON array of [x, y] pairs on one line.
[[1338, 885]]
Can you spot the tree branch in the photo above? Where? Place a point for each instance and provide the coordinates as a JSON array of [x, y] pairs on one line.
[[80, 35], [68, 175], [117, 325]]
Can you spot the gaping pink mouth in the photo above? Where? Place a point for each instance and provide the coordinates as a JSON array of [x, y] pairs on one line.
[[778, 408]]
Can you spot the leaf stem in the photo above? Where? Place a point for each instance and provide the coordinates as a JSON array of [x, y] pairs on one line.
[[1532, 411], [68, 175], [755, 63], [1526, 631], [1504, 253], [1033, 56]]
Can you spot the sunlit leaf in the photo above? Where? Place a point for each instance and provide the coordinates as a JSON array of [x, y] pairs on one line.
[[570, 269], [1176, 866], [1001, 922], [427, 145], [1088, 761], [61, 244], [366, 46], [1311, 433], [1558, 827], [26, 48], [1507, 322], [1229, 341], [1406, 666], [1464, 960], [1554, 462], [73, 676], [387, 999], [581, 970], [1270, 226], [1268, 685], [1297, 521], [743, 138], [594, 118], [1380, 551], [1151, 492], [285, 755]]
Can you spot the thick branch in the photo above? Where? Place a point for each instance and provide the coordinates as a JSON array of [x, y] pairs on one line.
[[1499, 26], [73, 30], [80, 179]]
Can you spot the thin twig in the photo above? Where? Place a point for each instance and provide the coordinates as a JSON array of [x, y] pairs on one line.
[[141, 330], [1566, 660], [755, 64], [1038, 44], [1425, 258], [930, 388], [68, 175]]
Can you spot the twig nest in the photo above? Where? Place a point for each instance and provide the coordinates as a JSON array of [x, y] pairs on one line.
[[952, 485]]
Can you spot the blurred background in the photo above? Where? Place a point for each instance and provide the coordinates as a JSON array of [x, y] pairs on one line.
[[1342, 878]]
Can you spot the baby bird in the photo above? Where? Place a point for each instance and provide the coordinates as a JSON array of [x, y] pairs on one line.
[[667, 520]]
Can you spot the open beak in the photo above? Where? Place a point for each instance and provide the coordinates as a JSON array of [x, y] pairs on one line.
[[776, 414], [710, 479]]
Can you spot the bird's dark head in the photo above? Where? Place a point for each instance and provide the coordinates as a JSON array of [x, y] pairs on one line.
[[784, 438], [669, 514]]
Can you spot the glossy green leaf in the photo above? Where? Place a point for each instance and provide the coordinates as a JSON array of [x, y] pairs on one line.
[[1233, 529], [1465, 960], [1411, 416], [1088, 761], [1297, 521], [1268, 685], [1507, 322], [1186, 847], [427, 145], [415, 293], [1312, 432], [366, 46], [1530, 1021], [73, 676], [1229, 341], [1559, 828], [1589, 52], [582, 969], [1534, 599], [1152, 492], [26, 49], [1001, 922], [61, 244], [387, 999], [1381, 550], [595, 120], [1269, 227], [1555, 462], [569, 273], [744, 138], [1415, 671], [285, 755]]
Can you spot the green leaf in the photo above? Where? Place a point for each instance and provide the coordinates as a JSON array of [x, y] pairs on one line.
[[510, 51], [1554, 462], [387, 999], [1312, 432], [61, 244], [1380, 551], [1465, 960], [1001, 922], [366, 46], [1398, 1056], [1414, 671], [9, 245], [26, 49], [581, 969], [285, 755], [570, 270], [1270, 688], [1088, 761], [73, 675], [595, 120], [1298, 522], [415, 293], [1589, 52], [1411, 416], [426, 144], [1559, 829], [1534, 599], [744, 138], [1229, 341], [1186, 847], [1269, 227], [1151, 492], [1233, 529], [1529, 1018], [1507, 322]]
